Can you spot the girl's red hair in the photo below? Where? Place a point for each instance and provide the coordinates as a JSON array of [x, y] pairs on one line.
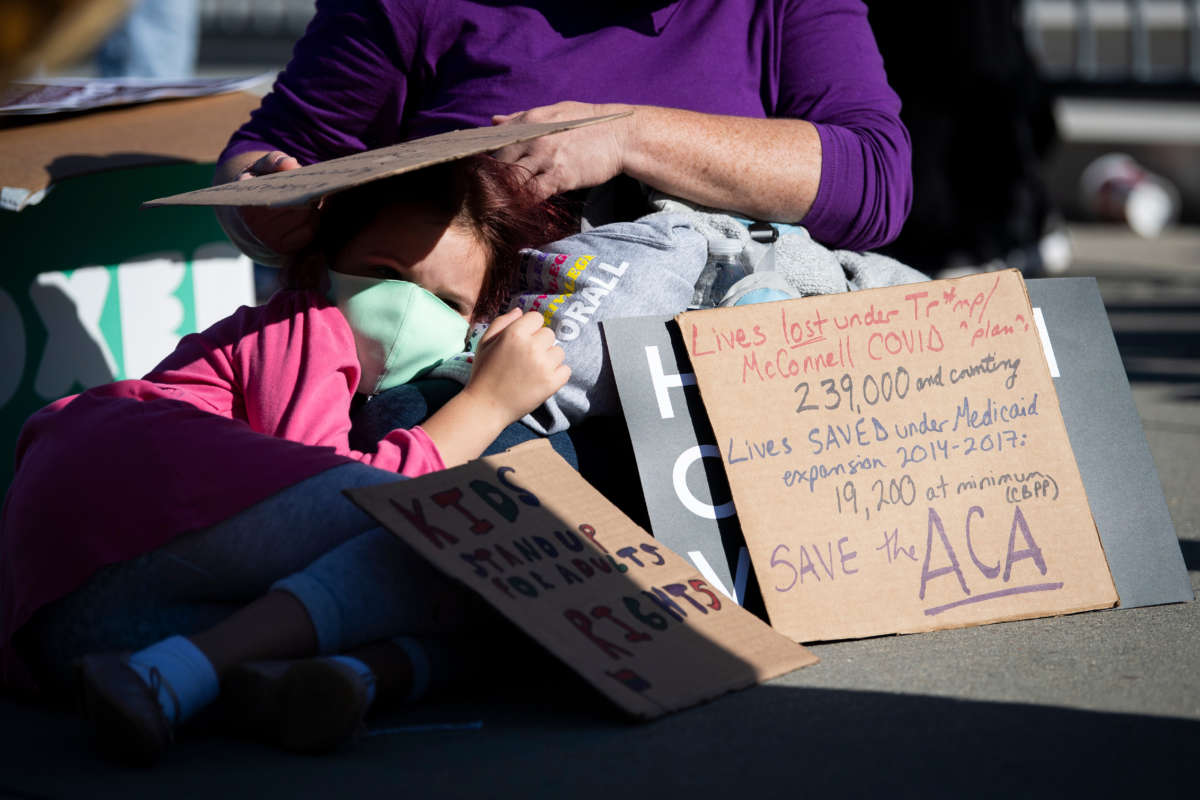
[[488, 198]]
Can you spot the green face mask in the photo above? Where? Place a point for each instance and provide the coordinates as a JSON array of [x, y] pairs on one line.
[[400, 330]]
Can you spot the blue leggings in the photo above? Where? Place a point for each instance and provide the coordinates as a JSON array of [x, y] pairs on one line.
[[358, 582]]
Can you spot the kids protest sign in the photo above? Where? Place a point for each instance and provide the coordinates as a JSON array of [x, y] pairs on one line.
[[898, 459], [639, 623], [310, 183]]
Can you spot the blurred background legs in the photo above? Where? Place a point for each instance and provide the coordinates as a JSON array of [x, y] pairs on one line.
[[1032, 119], [158, 39], [982, 124]]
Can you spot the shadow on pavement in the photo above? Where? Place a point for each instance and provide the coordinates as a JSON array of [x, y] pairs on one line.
[[1191, 554], [542, 742]]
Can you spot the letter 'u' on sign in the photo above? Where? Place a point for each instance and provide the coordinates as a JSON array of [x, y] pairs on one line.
[[898, 459]]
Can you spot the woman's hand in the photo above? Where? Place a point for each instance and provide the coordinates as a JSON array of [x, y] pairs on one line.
[[517, 367], [265, 233], [286, 229], [765, 169], [574, 159]]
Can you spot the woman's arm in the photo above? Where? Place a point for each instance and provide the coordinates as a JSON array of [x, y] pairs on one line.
[[762, 168], [347, 74], [832, 152]]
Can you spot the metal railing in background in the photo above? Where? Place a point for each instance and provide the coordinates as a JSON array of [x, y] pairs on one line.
[[285, 18], [1091, 47], [246, 36], [1117, 46]]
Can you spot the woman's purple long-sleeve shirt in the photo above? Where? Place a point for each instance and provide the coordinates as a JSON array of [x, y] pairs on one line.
[[369, 73]]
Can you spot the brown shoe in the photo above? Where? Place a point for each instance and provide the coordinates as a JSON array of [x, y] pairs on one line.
[[123, 714], [310, 705]]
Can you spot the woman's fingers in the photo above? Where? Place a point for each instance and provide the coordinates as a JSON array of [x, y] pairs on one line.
[[573, 159], [283, 230], [274, 161]]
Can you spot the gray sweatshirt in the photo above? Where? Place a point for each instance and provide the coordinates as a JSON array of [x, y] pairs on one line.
[[623, 269], [650, 267]]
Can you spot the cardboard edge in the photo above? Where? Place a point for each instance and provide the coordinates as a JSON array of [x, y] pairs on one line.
[[1065, 612], [653, 710], [932, 628], [205, 196], [637, 707]]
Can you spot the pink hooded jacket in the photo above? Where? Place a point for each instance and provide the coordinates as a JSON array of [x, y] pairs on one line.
[[256, 403]]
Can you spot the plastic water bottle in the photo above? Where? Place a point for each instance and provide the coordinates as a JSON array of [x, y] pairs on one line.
[[724, 261]]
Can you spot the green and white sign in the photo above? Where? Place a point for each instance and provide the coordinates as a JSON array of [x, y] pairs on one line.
[[93, 289]]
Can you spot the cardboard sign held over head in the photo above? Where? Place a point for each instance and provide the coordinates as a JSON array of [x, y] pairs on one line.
[[531, 536], [312, 182], [898, 459]]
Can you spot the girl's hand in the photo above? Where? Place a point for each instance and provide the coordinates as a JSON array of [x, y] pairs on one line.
[[517, 365], [573, 159]]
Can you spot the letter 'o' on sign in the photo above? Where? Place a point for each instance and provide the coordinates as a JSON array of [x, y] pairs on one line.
[[679, 481]]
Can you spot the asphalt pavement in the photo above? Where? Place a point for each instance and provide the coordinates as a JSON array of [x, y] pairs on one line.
[[1106, 703]]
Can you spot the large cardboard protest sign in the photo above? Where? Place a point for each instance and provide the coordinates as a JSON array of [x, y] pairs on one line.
[[314, 181], [898, 459], [639, 623]]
